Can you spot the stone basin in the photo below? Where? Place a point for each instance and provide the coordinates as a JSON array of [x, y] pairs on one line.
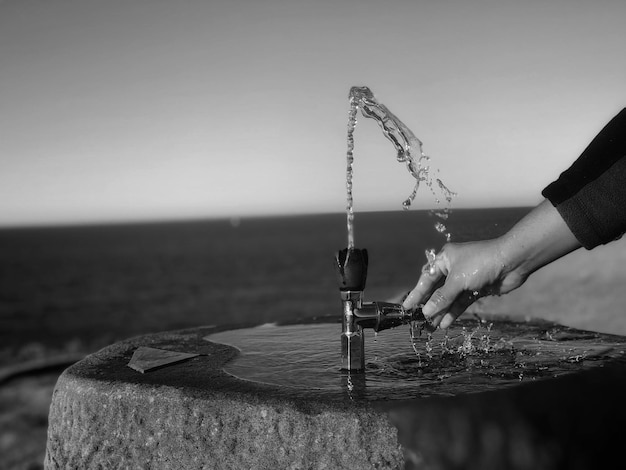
[[194, 415]]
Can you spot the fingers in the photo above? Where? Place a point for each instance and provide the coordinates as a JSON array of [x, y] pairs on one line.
[[439, 303], [462, 302], [442, 289], [447, 303], [426, 284]]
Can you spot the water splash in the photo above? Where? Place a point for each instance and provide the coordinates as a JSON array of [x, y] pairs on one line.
[[431, 257], [468, 357], [409, 150], [471, 340]]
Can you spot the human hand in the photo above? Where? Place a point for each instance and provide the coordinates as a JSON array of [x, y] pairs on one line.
[[463, 272], [460, 274]]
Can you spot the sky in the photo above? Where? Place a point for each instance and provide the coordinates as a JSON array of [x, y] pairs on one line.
[[124, 110]]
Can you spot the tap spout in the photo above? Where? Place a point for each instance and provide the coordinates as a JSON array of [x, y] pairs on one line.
[[384, 315]]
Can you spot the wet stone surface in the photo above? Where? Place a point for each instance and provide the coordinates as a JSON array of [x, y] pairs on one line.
[[472, 356], [192, 415]]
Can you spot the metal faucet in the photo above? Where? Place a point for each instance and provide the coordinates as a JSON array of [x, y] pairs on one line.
[[351, 267]]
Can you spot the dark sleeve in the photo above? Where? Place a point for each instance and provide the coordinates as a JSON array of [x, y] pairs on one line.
[[591, 194]]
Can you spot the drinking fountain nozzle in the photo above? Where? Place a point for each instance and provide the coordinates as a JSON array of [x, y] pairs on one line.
[[351, 267]]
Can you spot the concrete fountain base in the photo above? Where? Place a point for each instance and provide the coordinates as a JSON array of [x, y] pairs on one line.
[[192, 415]]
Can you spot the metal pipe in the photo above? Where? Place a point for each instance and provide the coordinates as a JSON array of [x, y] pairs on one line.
[[384, 315], [352, 337]]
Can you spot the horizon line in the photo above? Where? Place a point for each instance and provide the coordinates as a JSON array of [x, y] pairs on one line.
[[235, 220]]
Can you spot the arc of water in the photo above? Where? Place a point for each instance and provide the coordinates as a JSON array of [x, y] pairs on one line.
[[409, 151]]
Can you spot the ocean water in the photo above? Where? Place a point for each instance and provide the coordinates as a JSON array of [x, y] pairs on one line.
[[80, 288]]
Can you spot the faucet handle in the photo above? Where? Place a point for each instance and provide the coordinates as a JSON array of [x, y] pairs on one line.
[[351, 269]]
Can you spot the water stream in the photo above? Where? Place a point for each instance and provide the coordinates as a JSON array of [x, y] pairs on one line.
[[409, 150]]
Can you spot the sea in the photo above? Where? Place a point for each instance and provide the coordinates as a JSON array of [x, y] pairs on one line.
[[79, 288]]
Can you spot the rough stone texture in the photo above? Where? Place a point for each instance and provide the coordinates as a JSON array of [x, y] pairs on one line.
[[194, 416]]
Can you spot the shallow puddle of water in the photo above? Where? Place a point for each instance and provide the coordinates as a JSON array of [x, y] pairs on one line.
[[470, 357]]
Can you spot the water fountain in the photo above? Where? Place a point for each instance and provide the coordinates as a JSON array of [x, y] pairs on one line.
[[485, 394], [351, 263]]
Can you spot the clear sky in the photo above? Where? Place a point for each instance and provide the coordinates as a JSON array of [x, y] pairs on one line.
[[149, 109]]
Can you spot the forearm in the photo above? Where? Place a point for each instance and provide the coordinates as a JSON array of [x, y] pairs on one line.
[[590, 194], [541, 237]]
